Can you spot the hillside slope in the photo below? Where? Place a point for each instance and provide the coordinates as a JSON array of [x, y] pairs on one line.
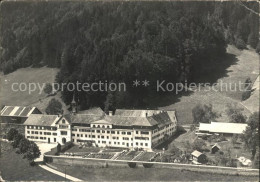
[[25, 76], [246, 65]]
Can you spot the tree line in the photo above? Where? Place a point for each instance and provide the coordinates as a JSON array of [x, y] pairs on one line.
[[121, 42]]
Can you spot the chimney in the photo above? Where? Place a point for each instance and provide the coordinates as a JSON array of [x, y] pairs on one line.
[[110, 113]]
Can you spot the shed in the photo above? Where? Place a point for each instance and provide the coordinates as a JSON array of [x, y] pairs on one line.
[[215, 148], [198, 157]]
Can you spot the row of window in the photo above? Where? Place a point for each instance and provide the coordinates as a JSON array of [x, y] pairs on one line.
[[42, 127], [41, 138], [39, 132], [112, 132]]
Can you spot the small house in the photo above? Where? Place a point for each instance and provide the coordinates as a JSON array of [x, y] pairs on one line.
[[215, 148], [198, 157]]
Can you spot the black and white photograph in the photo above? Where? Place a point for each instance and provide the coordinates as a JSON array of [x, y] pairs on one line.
[[129, 90]]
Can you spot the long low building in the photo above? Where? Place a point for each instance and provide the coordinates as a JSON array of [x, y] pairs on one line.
[[126, 128], [227, 129]]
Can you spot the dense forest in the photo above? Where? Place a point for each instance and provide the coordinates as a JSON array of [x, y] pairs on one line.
[[122, 41]]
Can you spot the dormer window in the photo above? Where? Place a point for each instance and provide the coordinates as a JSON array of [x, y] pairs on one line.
[[103, 126], [94, 126], [98, 126], [63, 121]]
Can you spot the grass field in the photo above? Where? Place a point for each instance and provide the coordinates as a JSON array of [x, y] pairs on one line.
[[246, 64], [26, 76], [145, 174], [14, 168]]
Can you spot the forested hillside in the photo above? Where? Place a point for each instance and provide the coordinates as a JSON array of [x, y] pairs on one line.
[[122, 41]]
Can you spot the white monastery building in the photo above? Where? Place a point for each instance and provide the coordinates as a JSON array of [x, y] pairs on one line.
[[126, 128]]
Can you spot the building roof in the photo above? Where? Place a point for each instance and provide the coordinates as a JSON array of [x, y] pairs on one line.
[[216, 145], [82, 118], [137, 113], [196, 153], [93, 111], [221, 127], [42, 120], [17, 111]]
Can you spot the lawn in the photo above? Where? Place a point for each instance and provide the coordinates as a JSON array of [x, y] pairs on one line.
[[25, 76], [76, 149], [145, 174], [14, 168]]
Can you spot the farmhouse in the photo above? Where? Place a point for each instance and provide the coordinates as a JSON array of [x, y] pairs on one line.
[[17, 114], [127, 128], [227, 129]]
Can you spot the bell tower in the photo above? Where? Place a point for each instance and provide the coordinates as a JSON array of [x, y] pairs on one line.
[[74, 105]]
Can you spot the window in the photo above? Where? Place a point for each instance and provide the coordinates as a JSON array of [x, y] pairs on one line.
[[141, 144], [28, 132], [115, 143], [93, 136], [136, 132], [98, 126], [108, 132], [41, 138], [118, 143], [123, 133], [145, 132], [40, 133], [28, 127], [73, 134], [72, 140], [128, 133], [136, 143], [77, 135], [98, 141], [113, 132], [28, 136], [146, 144], [86, 135], [107, 126], [118, 132], [123, 143], [63, 121], [103, 141], [54, 139], [107, 137], [103, 131], [32, 132], [98, 131], [109, 142], [63, 132], [98, 136], [36, 137], [36, 132], [94, 126], [55, 134], [81, 135], [102, 137], [103, 126]]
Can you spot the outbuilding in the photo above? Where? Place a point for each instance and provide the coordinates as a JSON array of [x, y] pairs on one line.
[[215, 148], [198, 157]]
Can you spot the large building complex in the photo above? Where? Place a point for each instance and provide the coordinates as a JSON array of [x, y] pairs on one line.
[[126, 128]]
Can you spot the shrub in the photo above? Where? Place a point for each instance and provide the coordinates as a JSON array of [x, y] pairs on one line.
[[147, 165], [16, 140], [131, 164], [11, 134], [240, 44]]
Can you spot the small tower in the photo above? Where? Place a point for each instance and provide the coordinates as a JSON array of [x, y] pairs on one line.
[[74, 105]]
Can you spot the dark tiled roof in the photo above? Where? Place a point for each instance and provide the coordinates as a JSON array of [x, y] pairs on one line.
[[136, 113], [41, 119]]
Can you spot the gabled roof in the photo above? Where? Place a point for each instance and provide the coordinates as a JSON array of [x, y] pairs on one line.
[[102, 121], [216, 145], [17, 111], [42, 120], [136, 113], [93, 111], [221, 127], [82, 118], [196, 153]]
